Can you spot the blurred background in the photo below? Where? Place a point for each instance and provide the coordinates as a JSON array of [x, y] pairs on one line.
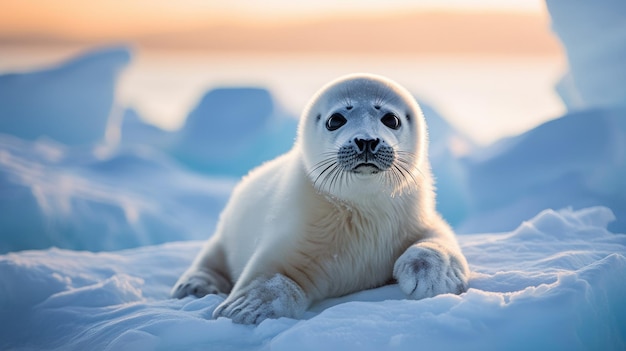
[[127, 123], [489, 67]]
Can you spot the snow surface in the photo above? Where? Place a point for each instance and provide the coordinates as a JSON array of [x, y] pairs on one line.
[[100, 213], [53, 195], [556, 283]]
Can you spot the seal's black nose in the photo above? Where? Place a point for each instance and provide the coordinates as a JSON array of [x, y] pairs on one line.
[[367, 144]]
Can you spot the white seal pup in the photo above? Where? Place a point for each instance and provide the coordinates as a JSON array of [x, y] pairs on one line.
[[350, 207]]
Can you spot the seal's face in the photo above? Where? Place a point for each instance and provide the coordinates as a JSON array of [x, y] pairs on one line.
[[362, 134]]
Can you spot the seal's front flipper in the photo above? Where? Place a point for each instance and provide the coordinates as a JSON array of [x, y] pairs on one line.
[[200, 283], [264, 298], [427, 269]]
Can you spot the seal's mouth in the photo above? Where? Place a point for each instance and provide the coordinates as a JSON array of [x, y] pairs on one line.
[[366, 168]]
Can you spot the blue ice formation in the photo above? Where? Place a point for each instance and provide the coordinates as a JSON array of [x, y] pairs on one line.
[[232, 130], [55, 195], [69, 103], [593, 35], [446, 146], [577, 160]]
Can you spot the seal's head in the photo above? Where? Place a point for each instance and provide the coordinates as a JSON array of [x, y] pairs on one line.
[[363, 134]]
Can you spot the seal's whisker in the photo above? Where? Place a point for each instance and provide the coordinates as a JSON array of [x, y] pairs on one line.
[[321, 164], [407, 155], [389, 178], [398, 177], [338, 172], [325, 165], [397, 181], [402, 168], [329, 176], [326, 174], [328, 165], [336, 180]]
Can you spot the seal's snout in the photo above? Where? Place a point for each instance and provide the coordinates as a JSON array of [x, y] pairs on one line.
[[372, 153], [367, 145]]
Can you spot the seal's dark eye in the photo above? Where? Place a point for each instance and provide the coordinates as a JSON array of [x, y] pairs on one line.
[[391, 121], [335, 121]]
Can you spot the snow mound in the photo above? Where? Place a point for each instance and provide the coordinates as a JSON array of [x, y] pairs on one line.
[[233, 130], [577, 160], [556, 282], [133, 131], [54, 195], [70, 103]]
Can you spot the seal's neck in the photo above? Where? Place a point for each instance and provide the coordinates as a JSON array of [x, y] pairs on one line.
[[373, 205]]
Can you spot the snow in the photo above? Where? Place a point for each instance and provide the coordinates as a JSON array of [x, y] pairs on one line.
[[53, 195], [100, 213], [553, 283], [577, 160]]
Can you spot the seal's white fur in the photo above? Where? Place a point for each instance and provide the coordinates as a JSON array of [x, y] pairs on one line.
[[299, 228]]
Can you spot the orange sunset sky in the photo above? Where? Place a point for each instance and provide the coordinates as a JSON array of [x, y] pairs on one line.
[[427, 26]]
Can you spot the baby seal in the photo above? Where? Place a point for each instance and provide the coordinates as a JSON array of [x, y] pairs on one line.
[[350, 207]]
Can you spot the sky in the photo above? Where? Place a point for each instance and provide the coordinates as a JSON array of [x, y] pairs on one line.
[[102, 19], [163, 88]]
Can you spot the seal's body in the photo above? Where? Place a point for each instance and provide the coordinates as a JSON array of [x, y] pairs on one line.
[[350, 207]]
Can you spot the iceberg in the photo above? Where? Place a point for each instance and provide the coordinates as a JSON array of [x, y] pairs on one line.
[[594, 38], [70, 103]]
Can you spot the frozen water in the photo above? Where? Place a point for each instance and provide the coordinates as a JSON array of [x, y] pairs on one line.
[[70, 103], [553, 283], [446, 146], [232, 130], [578, 160], [53, 195], [594, 38]]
